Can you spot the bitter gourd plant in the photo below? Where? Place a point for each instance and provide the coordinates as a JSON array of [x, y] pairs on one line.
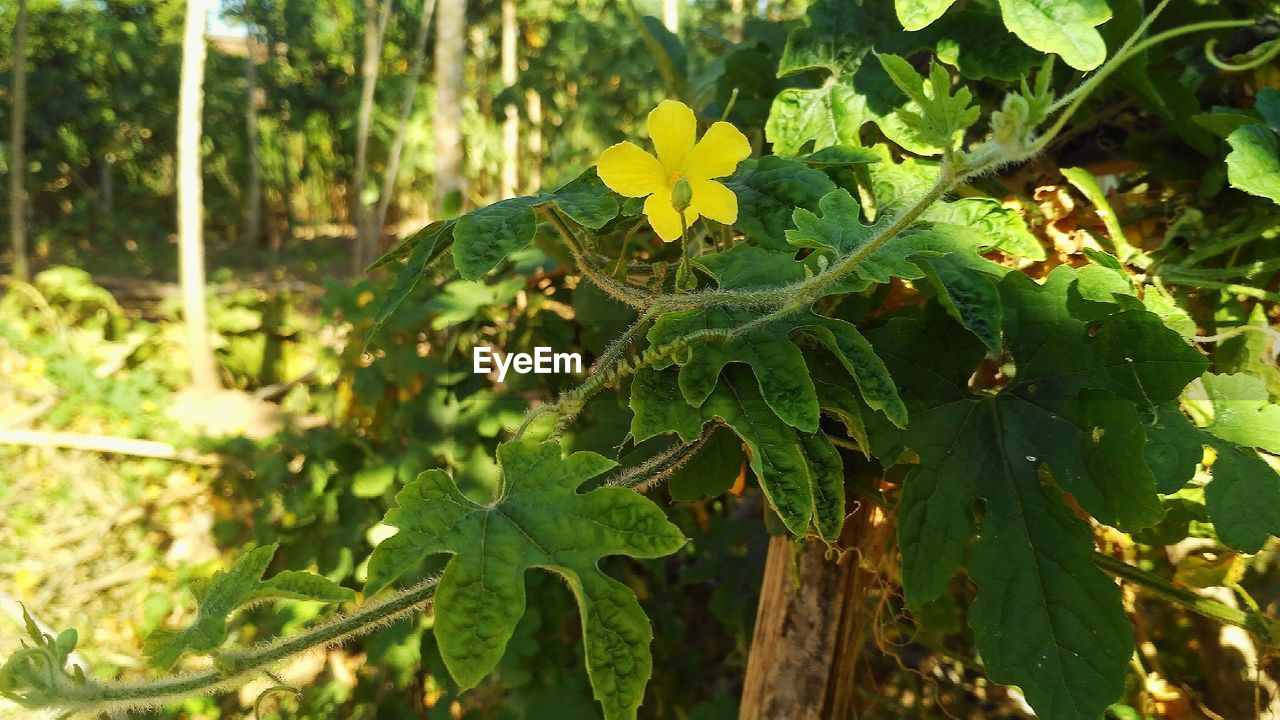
[[1096, 407]]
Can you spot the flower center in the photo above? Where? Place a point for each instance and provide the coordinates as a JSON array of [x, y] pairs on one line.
[[674, 178]]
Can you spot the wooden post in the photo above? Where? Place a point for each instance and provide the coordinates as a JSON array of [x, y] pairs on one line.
[[811, 625]]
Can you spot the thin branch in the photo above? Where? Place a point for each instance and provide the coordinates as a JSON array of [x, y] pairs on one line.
[[106, 444]]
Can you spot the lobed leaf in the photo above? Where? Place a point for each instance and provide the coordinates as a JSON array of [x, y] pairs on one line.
[[935, 117], [1045, 618], [769, 190], [539, 520], [825, 116], [233, 589], [800, 474]]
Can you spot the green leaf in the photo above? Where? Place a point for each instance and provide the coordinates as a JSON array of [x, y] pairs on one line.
[[934, 117], [835, 397], [1250, 352], [1045, 619], [711, 471], [1242, 411], [976, 43], [838, 37], [230, 590], [298, 585], [797, 472], [33, 630], [985, 225], [917, 14], [462, 301], [1243, 499], [1253, 165], [825, 116], [1223, 121], [839, 230], [840, 156], [438, 234], [769, 190], [1268, 106], [839, 234], [372, 481], [426, 249], [748, 337], [1067, 28], [776, 362], [485, 237], [538, 521], [969, 297], [587, 200], [1174, 447]]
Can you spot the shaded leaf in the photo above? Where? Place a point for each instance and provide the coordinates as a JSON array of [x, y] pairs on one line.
[[768, 192], [485, 237], [796, 471], [587, 200]]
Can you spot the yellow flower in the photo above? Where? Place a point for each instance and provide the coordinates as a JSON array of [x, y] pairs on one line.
[[632, 172]]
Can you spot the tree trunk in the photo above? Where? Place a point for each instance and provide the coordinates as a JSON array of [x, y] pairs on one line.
[[511, 126], [106, 179], [451, 29], [17, 152], [671, 15], [253, 207], [811, 625], [533, 108], [204, 366], [375, 29], [406, 109]]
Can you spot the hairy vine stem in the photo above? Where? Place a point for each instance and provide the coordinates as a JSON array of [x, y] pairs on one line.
[[627, 295], [236, 667]]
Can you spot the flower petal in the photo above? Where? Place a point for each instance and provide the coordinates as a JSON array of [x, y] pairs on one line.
[[715, 201], [630, 171], [717, 153], [663, 217], [672, 127]]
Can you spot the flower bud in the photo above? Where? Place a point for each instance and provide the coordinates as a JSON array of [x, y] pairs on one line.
[[1009, 124], [682, 195]]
